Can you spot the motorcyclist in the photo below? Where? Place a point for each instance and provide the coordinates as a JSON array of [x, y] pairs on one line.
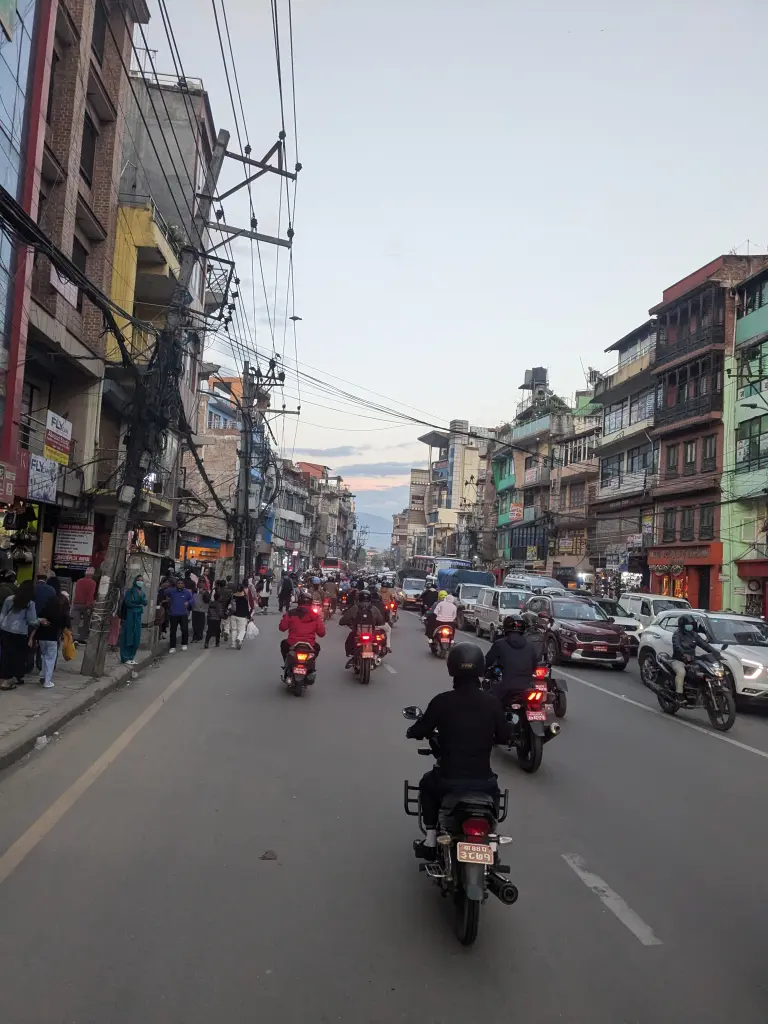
[[317, 593], [469, 722], [515, 655], [378, 602], [685, 640], [445, 610], [363, 612], [429, 597], [301, 624], [332, 592]]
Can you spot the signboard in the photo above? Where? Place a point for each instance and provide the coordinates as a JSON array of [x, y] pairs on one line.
[[565, 544], [7, 482], [530, 553], [635, 540], [58, 438], [43, 476], [74, 546], [515, 513], [532, 475]]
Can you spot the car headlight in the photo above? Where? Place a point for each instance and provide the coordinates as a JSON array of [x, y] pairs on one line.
[[569, 634], [752, 669]]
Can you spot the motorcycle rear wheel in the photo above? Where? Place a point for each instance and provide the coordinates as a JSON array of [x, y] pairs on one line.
[[365, 670], [723, 716], [561, 704], [467, 918], [530, 756], [297, 688]]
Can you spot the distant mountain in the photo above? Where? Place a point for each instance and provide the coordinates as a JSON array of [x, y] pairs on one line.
[[380, 535]]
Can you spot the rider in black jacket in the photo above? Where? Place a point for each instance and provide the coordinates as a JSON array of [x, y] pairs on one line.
[[685, 640], [515, 656], [468, 722]]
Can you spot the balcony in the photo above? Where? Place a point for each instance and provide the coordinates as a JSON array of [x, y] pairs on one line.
[[625, 484], [753, 325], [702, 338], [537, 476], [691, 409], [514, 514], [505, 483], [576, 470], [538, 426], [620, 380], [440, 470], [616, 439]]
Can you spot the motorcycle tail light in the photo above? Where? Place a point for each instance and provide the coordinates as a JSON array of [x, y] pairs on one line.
[[476, 827], [446, 631], [302, 656], [366, 638], [535, 696], [540, 672]]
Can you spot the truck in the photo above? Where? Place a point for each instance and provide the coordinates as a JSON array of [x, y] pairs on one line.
[[465, 585]]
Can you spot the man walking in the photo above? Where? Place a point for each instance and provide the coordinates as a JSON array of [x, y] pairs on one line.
[[83, 596], [181, 601]]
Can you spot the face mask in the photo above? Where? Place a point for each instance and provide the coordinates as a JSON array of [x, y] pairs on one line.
[[688, 629], [140, 584]]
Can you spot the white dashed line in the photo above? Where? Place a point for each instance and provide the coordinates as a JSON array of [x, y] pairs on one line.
[[660, 714], [612, 901], [392, 671]]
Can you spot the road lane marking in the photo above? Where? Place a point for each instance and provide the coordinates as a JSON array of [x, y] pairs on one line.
[[669, 718], [392, 671], [36, 832], [610, 899]]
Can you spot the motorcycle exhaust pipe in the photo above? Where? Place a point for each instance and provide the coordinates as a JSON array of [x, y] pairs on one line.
[[502, 889], [554, 728]]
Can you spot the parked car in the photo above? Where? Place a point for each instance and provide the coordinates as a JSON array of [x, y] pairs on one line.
[[412, 589], [577, 630], [645, 607], [616, 611], [745, 660], [493, 605]]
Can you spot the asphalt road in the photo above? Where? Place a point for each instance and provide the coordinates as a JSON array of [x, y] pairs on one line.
[[133, 887]]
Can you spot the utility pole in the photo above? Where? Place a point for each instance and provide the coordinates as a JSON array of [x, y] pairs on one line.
[[144, 439], [243, 540]]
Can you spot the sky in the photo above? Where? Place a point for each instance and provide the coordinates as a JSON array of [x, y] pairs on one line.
[[485, 187]]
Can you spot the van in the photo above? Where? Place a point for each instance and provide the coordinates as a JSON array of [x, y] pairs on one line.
[[493, 605], [412, 589], [645, 607]]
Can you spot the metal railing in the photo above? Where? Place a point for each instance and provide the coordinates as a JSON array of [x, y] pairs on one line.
[[147, 202], [699, 406], [711, 334]]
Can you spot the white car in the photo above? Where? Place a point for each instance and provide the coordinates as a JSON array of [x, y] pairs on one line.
[[412, 590], [616, 611], [745, 659]]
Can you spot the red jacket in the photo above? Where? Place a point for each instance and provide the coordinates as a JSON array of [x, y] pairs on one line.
[[301, 624]]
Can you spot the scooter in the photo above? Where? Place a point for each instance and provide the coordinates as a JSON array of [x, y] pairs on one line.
[[299, 668], [442, 640]]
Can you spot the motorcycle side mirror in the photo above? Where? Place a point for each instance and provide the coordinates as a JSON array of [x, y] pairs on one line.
[[412, 712]]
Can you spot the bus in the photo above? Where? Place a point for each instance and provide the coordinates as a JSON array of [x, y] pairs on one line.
[[432, 564], [330, 566]]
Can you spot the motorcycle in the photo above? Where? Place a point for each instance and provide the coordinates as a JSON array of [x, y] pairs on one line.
[[299, 668], [343, 599], [705, 686], [557, 690], [370, 648], [326, 609], [393, 612], [442, 640], [528, 713], [468, 866]]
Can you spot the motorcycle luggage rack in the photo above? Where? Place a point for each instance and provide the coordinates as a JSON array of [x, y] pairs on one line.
[[411, 800]]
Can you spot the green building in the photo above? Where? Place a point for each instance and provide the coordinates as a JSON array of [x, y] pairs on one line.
[[745, 463]]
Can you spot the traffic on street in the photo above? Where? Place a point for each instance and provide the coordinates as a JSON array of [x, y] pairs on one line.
[[204, 846]]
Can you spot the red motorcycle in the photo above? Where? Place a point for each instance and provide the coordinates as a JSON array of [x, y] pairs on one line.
[[370, 648]]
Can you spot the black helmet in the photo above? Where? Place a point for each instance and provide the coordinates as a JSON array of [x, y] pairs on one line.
[[304, 597], [686, 620], [363, 597], [513, 624], [466, 663]]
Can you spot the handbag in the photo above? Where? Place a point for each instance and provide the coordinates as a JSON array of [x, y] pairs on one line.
[[68, 645]]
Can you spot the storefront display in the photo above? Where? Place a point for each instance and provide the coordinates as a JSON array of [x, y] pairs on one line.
[[688, 572]]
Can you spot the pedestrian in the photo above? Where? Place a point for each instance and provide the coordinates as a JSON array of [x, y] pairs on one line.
[[263, 587], [224, 591], [240, 617], [17, 616], [54, 617], [180, 602], [285, 593], [199, 610], [215, 615], [83, 597], [134, 603], [7, 584]]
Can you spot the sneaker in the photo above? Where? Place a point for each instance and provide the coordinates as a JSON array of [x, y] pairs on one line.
[[42, 680], [172, 650], [205, 646], [239, 644], [424, 852], [47, 686], [183, 647]]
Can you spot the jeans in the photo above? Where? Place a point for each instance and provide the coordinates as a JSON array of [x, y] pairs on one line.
[[81, 622], [388, 633], [237, 627], [679, 667], [176, 621], [198, 625], [49, 652], [433, 787], [213, 632]]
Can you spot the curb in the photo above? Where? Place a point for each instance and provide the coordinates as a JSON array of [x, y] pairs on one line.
[[22, 741]]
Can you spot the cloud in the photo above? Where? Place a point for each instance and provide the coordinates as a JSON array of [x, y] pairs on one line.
[[379, 468], [384, 501], [331, 453]]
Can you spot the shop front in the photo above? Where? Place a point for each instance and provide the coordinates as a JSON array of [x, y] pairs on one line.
[[689, 572], [753, 591]]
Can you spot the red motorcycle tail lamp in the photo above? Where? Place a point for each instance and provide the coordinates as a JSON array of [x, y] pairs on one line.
[[536, 696], [476, 827], [366, 638], [446, 631], [540, 672], [302, 656]]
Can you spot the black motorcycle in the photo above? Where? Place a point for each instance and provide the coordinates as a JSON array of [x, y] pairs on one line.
[[706, 685], [529, 713], [557, 689], [299, 668], [370, 649], [442, 640], [467, 866]]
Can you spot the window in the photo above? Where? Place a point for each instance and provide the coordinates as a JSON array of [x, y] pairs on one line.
[[614, 417], [88, 149], [753, 296], [99, 36], [706, 522], [610, 470], [671, 459], [686, 524], [709, 452], [80, 259], [577, 495], [689, 449], [51, 87], [641, 406], [752, 444], [644, 457], [670, 516], [531, 462], [645, 608]]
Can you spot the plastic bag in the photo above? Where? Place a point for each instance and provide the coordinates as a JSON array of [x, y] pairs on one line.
[[251, 631], [68, 648]]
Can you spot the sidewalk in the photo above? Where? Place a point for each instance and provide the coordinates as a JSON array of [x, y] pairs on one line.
[[31, 711]]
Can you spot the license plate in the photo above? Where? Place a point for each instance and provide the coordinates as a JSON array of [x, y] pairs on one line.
[[536, 716], [366, 654], [299, 670], [474, 853], [601, 648]]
